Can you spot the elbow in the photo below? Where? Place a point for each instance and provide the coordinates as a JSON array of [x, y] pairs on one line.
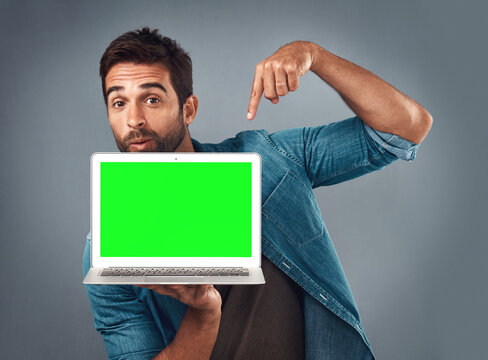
[[425, 122], [428, 122], [421, 125]]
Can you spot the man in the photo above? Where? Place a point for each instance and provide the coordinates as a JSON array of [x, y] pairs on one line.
[[306, 309]]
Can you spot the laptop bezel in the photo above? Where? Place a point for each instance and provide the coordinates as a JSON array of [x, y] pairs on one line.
[[104, 262]]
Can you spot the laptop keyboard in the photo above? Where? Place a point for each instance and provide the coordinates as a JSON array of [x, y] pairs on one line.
[[175, 272]]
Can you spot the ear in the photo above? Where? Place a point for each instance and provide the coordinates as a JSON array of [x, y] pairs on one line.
[[190, 109]]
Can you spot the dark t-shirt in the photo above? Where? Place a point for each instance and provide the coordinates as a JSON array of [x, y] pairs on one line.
[[261, 321]]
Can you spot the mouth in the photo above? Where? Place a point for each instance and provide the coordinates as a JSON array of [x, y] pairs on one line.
[[139, 141], [140, 144]]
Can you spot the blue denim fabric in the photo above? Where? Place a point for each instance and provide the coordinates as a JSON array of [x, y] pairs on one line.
[[136, 323]]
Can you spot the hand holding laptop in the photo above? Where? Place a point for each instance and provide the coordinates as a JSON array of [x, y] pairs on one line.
[[205, 299], [198, 330]]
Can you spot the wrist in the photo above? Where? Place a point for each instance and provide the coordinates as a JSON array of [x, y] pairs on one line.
[[316, 54], [204, 318]]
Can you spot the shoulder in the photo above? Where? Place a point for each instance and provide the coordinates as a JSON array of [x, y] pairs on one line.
[[247, 140]]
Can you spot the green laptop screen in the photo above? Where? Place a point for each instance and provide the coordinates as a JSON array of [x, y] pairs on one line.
[[175, 209]]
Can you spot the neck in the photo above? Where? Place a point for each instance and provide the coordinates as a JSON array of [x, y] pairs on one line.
[[186, 145]]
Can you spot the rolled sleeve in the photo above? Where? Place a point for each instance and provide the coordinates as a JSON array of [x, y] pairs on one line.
[[340, 151], [394, 144]]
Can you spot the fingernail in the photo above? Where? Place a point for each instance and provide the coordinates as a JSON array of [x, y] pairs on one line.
[[249, 116]]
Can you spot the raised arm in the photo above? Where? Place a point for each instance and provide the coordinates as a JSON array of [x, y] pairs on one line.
[[376, 102]]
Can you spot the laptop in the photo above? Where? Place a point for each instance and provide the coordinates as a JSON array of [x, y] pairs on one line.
[[175, 218]]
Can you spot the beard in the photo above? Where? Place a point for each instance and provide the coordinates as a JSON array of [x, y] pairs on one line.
[[168, 142]]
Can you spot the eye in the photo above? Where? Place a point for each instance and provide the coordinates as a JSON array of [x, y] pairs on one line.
[[118, 104], [152, 100]]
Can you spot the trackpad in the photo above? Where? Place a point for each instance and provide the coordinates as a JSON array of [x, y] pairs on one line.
[[174, 279]]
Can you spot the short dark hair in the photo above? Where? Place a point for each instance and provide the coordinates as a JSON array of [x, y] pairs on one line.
[[146, 46]]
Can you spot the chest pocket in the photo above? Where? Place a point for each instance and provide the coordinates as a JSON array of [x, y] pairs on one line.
[[293, 209]]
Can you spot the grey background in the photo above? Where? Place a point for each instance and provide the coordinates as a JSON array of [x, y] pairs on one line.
[[411, 237]]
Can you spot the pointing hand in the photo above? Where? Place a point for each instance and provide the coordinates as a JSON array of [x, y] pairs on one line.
[[280, 73]]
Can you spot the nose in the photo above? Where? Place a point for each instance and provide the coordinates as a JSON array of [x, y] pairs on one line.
[[135, 116]]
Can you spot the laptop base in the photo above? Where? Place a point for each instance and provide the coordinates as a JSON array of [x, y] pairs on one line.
[[255, 277]]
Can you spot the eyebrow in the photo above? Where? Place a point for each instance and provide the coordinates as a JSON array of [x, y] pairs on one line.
[[142, 86], [153, 84], [113, 88]]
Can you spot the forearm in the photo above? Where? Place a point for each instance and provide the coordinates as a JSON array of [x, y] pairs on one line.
[[376, 102], [195, 338]]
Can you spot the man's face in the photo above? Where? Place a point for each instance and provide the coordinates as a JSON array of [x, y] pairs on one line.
[[143, 108]]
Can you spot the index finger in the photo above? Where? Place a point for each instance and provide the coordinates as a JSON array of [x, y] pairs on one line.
[[256, 93]]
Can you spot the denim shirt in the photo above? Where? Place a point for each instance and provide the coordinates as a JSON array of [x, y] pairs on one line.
[[137, 323]]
